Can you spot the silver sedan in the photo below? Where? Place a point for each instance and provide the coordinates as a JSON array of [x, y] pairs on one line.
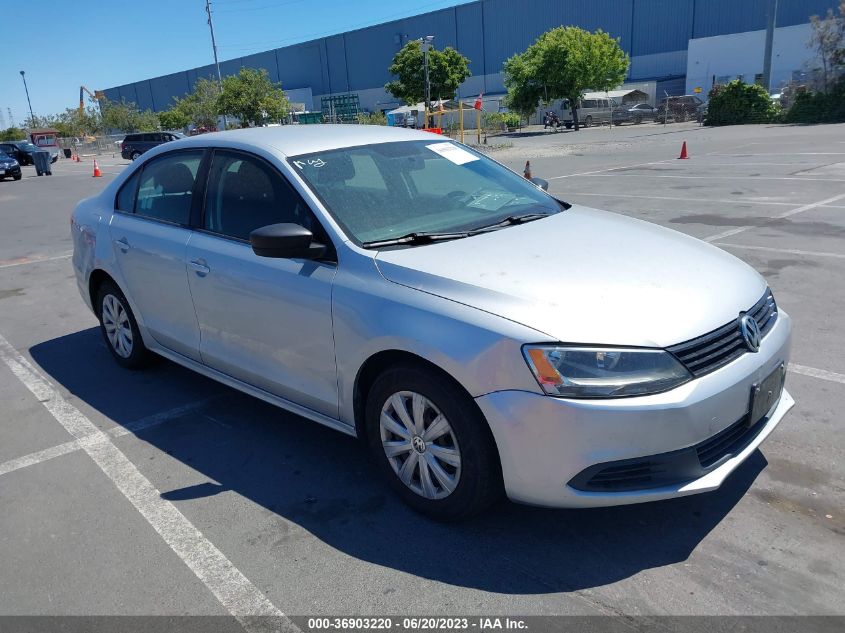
[[480, 336]]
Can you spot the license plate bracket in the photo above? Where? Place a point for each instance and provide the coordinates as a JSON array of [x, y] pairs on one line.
[[766, 394]]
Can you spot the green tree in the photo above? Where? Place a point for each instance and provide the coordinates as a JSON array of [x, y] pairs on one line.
[[566, 62], [524, 90], [447, 69], [12, 134], [173, 119], [251, 97], [202, 106], [737, 103], [126, 117]]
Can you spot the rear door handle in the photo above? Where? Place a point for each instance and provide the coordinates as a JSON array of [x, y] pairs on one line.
[[122, 244], [199, 266]]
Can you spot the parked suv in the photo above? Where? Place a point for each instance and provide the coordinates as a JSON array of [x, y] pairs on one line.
[[9, 167], [136, 144], [684, 108], [22, 151]]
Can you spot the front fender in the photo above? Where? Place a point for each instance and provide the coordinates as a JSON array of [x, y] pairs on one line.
[[480, 351]]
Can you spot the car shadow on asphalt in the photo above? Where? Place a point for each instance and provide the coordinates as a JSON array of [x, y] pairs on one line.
[[322, 481]]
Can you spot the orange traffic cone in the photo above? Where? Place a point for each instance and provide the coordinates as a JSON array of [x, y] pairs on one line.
[[683, 155], [97, 172], [527, 172]]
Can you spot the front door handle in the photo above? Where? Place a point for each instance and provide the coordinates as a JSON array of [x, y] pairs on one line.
[[200, 267], [122, 244]]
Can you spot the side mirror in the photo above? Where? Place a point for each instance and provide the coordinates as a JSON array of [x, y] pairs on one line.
[[543, 184], [287, 241]]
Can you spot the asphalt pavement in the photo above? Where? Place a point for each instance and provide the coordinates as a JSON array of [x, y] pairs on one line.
[[163, 492]]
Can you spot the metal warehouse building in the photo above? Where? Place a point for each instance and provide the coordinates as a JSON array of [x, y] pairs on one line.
[[657, 34]]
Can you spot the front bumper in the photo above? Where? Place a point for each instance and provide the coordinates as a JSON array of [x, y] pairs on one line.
[[6, 172], [545, 442]]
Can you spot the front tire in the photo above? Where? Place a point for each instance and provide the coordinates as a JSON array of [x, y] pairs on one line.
[[432, 444], [119, 328], [588, 122]]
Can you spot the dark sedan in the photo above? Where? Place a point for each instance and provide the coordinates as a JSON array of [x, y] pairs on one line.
[[634, 114], [9, 167]]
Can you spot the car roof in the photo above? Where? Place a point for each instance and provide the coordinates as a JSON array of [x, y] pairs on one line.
[[292, 140]]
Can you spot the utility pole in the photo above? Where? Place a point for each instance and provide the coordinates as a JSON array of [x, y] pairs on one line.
[[426, 42], [214, 48], [31, 115], [771, 19]]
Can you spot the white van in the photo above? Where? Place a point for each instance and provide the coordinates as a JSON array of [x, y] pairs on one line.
[[590, 112]]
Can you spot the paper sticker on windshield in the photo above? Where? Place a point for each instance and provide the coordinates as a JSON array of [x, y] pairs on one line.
[[451, 152]]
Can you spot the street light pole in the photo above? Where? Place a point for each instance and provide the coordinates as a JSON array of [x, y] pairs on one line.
[[31, 115], [214, 48]]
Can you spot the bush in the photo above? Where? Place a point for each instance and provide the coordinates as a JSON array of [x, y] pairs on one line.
[[818, 107], [738, 103], [372, 118], [501, 120]]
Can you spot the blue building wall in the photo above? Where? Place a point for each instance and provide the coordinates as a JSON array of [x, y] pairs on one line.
[[655, 34]]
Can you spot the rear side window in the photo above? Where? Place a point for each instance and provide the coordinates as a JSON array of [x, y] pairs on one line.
[[131, 137], [126, 196], [166, 187]]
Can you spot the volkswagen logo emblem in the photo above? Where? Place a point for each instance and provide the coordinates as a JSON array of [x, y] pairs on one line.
[[419, 444], [750, 332]]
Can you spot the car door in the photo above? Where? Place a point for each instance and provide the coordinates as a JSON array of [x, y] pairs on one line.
[[150, 232], [264, 321]]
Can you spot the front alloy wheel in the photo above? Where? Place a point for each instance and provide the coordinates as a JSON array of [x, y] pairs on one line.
[[420, 445], [432, 443]]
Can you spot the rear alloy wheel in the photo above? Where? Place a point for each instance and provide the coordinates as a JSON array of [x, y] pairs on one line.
[[119, 328], [588, 122], [135, 155], [432, 443]]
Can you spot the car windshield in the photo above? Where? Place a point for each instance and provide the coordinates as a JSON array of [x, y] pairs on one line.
[[27, 147], [387, 190], [4, 156]]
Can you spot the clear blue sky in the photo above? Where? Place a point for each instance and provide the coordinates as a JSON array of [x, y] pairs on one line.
[[100, 43]]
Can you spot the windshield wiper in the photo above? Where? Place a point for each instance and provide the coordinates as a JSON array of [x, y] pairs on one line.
[[511, 220], [417, 238]]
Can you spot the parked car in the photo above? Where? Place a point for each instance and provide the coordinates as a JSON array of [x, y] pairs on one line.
[[136, 144], [590, 112], [682, 108], [634, 114], [9, 167], [396, 287], [22, 151]]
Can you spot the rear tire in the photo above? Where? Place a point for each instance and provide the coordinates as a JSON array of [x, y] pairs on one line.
[[444, 462], [119, 328], [135, 155], [588, 122]]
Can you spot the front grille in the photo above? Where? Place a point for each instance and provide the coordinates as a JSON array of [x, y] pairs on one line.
[[721, 346], [727, 443]]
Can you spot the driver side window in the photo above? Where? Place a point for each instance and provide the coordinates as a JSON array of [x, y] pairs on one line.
[[245, 193]]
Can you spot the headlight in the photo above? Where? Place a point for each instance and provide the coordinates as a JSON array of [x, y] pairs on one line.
[[601, 372]]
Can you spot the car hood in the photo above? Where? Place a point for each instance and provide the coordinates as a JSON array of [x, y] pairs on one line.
[[586, 276]]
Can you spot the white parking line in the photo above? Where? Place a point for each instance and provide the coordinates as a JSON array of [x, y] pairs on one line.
[[32, 260], [790, 251], [806, 207], [822, 374], [711, 177], [602, 171], [231, 588], [119, 431], [678, 198]]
